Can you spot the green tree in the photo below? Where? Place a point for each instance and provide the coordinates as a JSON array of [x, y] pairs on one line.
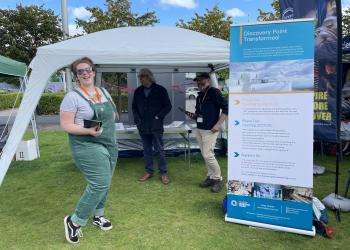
[[25, 29], [213, 23], [118, 14], [272, 15], [346, 21]]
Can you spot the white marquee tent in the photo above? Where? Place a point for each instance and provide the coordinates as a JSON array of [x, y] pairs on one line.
[[130, 46]]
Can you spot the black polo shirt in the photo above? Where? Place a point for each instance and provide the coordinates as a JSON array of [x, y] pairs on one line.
[[208, 105]]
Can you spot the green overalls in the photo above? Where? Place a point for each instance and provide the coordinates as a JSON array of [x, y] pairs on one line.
[[96, 157]]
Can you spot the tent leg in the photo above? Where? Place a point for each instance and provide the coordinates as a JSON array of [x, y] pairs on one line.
[[24, 83], [35, 132], [347, 186], [337, 210]]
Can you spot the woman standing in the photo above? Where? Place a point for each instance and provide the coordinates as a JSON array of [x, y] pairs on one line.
[[94, 150]]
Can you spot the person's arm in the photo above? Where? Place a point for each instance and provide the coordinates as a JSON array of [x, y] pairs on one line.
[[166, 104], [135, 112], [217, 126], [222, 103], [68, 125]]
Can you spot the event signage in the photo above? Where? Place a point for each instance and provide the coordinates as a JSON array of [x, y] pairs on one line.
[[346, 44], [326, 57], [270, 165]]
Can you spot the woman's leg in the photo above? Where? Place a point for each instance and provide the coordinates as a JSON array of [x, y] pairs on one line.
[[94, 163], [99, 211]]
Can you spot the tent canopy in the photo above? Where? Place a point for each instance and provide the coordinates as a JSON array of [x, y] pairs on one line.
[[9, 67], [129, 46], [139, 46]]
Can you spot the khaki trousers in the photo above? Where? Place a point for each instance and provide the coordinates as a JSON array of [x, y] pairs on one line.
[[206, 141]]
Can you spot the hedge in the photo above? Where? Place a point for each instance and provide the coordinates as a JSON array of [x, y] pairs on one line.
[[49, 103], [8, 99]]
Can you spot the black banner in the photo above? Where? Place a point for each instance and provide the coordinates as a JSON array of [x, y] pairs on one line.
[[326, 61], [346, 44]]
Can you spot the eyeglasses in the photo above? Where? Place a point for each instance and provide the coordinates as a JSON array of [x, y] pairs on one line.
[[81, 71]]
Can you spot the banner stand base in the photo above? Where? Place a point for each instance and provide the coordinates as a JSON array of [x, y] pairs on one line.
[[272, 227]]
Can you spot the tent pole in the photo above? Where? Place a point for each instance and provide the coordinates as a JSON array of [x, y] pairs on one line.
[[214, 79], [339, 89], [24, 82], [65, 32]]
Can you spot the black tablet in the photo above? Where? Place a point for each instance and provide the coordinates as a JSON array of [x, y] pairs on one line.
[[92, 123]]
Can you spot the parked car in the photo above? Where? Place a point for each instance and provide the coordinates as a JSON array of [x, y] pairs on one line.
[[192, 93]]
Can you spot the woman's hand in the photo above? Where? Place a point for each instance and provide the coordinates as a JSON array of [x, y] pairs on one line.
[[67, 124], [93, 132]]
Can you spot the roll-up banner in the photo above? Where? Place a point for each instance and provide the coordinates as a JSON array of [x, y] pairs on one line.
[[324, 13], [270, 163]]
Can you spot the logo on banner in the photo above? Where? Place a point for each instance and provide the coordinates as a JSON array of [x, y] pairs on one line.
[[288, 13], [234, 203], [243, 204]]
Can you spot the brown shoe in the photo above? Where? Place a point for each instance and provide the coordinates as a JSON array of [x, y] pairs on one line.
[[164, 179], [146, 177]]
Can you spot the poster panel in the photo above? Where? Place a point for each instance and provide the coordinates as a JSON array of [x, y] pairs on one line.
[[270, 166]]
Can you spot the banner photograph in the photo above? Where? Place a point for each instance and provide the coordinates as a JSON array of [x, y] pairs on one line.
[[271, 92], [325, 14]]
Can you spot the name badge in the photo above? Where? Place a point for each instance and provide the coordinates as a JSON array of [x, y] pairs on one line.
[[199, 119]]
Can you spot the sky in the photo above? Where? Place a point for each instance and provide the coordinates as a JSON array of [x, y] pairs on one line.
[[168, 11]]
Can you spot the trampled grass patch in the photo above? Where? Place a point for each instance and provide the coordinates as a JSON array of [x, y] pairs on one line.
[[36, 195]]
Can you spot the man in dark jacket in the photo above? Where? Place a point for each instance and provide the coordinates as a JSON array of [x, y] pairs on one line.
[[150, 105]]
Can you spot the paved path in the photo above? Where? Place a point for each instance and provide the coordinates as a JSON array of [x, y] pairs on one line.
[[44, 122]]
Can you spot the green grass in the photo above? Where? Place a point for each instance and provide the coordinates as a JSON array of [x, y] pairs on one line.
[[35, 196]]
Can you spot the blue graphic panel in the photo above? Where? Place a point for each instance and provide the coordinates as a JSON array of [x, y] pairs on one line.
[[275, 212], [272, 42]]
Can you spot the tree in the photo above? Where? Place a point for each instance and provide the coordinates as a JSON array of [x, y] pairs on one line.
[[213, 23], [346, 22], [270, 16], [25, 29], [118, 14]]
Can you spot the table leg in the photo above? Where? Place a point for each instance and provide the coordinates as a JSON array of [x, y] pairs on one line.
[[189, 149]]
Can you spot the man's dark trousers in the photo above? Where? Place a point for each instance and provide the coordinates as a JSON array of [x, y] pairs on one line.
[[150, 141]]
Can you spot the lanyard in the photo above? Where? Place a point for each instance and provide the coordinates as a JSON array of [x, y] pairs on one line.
[[201, 102], [95, 99]]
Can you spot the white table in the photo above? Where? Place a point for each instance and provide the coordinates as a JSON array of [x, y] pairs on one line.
[[184, 130]]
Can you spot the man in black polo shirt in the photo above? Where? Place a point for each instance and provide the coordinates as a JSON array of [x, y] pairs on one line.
[[208, 105]]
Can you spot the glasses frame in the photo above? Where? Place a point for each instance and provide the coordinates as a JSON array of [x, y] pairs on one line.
[[82, 71]]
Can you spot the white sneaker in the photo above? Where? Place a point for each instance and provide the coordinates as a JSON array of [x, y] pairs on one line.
[[102, 223]]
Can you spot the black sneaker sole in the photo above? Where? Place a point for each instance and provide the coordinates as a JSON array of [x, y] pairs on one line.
[[217, 191], [102, 228], [66, 231]]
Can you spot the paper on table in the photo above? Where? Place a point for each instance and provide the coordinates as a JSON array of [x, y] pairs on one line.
[[131, 128], [174, 124], [119, 126]]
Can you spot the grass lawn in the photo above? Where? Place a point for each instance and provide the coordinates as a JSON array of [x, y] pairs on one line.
[[35, 196]]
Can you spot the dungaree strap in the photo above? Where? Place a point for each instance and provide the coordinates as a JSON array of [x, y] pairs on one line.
[[104, 93]]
